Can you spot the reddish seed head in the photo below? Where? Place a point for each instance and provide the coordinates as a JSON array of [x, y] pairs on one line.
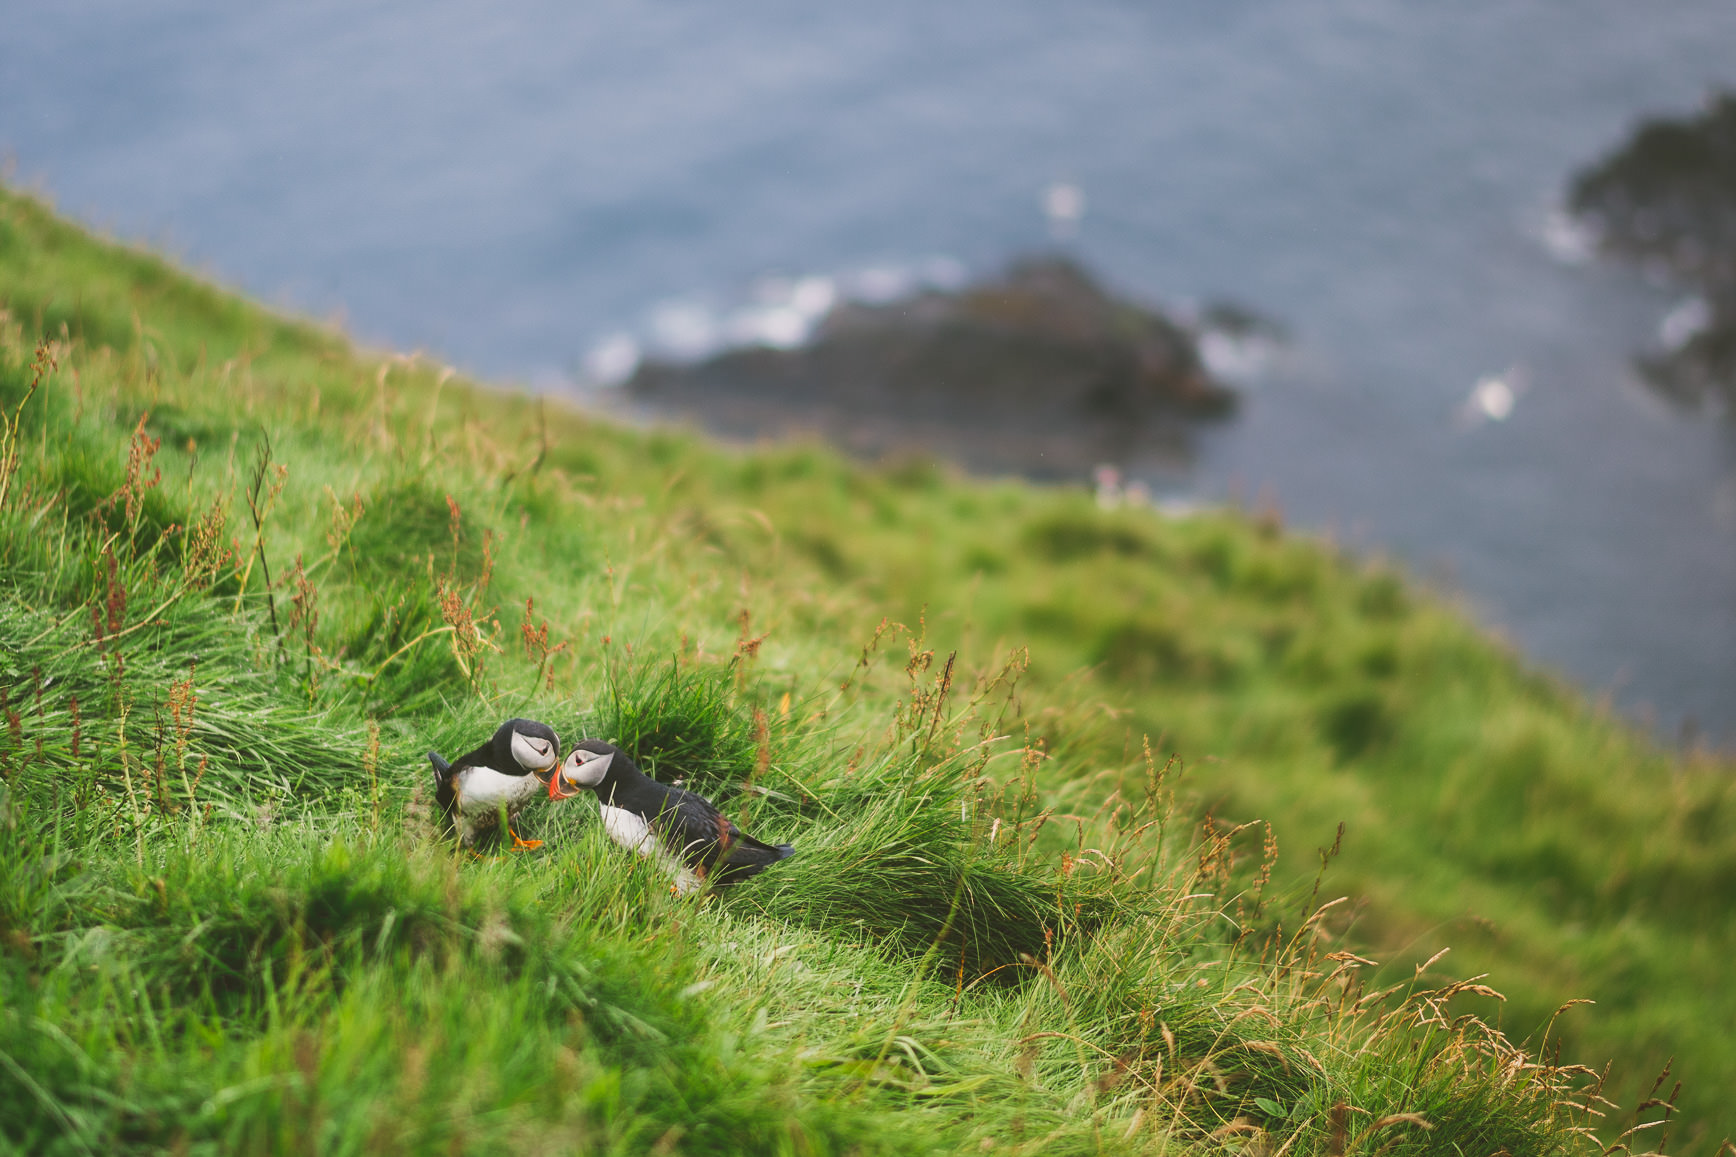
[[116, 604]]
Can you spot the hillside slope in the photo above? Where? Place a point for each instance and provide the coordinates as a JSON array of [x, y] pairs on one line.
[[253, 574]]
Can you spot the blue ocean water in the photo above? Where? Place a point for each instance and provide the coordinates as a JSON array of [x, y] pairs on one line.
[[515, 186]]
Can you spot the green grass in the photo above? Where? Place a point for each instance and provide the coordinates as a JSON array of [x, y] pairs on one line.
[[251, 574]]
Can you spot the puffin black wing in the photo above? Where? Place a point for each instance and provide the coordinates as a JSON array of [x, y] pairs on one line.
[[748, 857], [690, 827]]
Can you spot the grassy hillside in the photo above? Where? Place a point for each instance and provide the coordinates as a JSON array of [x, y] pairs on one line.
[[1058, 776]]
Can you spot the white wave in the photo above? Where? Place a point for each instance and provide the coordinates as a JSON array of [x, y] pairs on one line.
[[612, 360], [813, 297], [685, 329], [776, 310], [1493, 398], [1238, 359], [1565, 237], [784, 312], [878, 284], [1064, 206], [780, 327], [1684, 323]]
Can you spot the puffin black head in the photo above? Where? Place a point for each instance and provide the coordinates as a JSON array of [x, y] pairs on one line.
[[527, 745], [592, 763]]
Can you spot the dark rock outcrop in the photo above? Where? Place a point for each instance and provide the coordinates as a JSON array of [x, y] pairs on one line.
[[1667, 200], [1040, 365]]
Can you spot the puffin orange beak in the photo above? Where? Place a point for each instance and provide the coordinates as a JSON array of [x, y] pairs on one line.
[[556, 791]]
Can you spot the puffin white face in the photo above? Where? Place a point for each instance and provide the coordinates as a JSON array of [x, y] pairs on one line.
[[586, 768], [533, 753]]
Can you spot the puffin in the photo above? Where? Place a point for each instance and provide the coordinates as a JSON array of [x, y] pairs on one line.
[[681, 829], [506, 772]]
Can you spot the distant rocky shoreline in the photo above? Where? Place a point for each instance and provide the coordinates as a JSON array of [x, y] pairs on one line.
[[1038, 371], [1666, 200]]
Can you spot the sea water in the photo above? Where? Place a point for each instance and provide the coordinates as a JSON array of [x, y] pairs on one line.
[[547, 191]]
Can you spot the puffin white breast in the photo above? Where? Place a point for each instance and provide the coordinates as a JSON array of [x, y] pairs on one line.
[[482, 789]]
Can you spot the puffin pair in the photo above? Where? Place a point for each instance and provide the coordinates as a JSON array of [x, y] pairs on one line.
[[680, 829]]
